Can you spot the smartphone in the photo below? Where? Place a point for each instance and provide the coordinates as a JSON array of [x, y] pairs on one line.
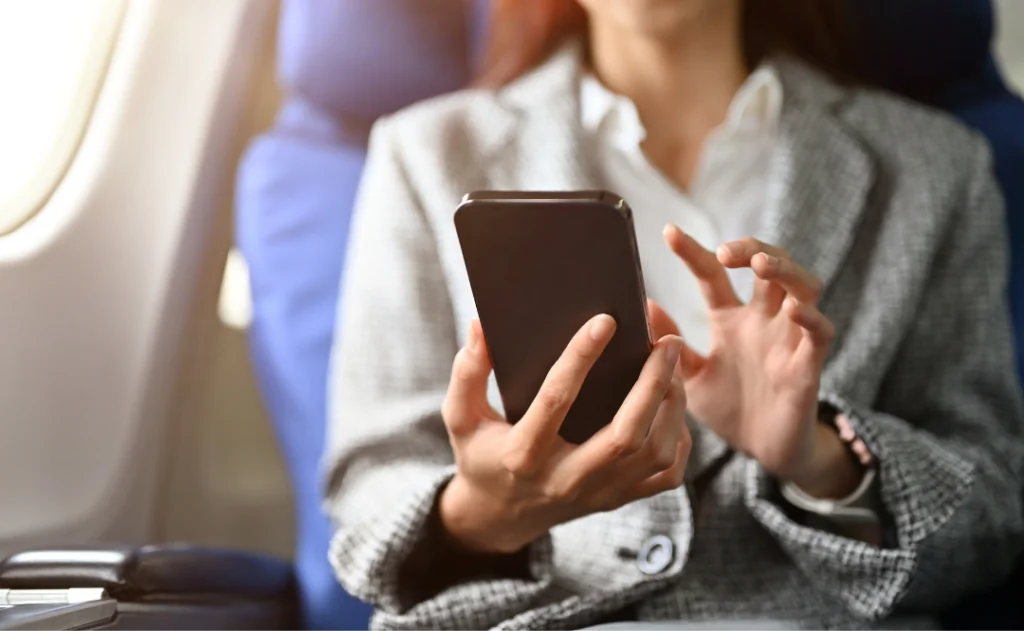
[[540, 266]]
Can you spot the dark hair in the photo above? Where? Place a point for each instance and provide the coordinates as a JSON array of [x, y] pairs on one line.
[[525, 32]]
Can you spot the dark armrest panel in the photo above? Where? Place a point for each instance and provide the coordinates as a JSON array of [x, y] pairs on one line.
[[152, 572]]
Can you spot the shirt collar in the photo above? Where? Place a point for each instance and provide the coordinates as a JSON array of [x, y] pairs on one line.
[[756, 109]]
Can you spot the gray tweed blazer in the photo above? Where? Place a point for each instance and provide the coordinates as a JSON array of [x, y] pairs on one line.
[[893, 206]]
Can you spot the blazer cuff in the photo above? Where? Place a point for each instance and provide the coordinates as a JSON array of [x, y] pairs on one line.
[[921, 485], [370, 559]]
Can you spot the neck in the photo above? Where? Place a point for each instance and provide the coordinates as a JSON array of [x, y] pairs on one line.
[[682, 85]]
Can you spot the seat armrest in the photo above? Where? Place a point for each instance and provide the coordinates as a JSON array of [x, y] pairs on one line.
[[130, 573]]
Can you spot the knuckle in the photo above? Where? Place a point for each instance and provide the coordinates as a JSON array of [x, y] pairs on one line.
[[816, 286], [619, 446], [686, 441], [625, 443], [659, 384], [514, 464], [520, 460], [454, 417], [676, 475], [462, 366], [448, 410], [554, 401], [456, 428], [581, 351], [784, 268], [828, 331], [665, 457]]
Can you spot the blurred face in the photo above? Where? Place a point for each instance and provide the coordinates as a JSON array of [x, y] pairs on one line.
[[653, 18]]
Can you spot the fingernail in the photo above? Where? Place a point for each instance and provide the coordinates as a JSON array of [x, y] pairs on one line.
[[673, 348], [602, 327], [474, 336], [724, 251], [773, 262]]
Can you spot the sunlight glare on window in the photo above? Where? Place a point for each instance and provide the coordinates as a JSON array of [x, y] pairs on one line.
[[53, 56]]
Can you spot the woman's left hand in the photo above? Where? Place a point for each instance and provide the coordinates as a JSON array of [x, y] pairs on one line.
[[758, 387]]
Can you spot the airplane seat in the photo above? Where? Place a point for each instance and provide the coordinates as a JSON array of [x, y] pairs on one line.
[[986, 104], [342, 65], [940, 52]]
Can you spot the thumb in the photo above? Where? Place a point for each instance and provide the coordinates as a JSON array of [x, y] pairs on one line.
[[662, 323], [466, 403]]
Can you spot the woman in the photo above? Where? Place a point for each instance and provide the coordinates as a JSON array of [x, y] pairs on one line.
[[837, 441]]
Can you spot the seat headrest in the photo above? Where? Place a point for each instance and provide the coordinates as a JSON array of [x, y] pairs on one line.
[[360, 59], [921, 47]]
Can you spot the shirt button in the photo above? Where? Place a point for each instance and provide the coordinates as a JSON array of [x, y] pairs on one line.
[[656, 555]]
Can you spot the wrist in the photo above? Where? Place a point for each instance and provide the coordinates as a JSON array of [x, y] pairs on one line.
[[469, 522], [830, 471]]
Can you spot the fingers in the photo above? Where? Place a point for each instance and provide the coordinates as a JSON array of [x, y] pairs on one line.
[[626, 434], [662, 323], [768, 296], [817, 330], [667, 479], [466, 400], [778, 275], [632, 422], [793, 277], [714, 282], [739, 253], [772, 264], [539, 426], [658, 452], [660, 465]]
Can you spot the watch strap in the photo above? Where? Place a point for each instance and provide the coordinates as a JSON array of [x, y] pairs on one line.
[[858, 508]]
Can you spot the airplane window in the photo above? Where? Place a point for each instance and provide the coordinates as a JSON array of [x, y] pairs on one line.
[[1010, 41], [53, 56]]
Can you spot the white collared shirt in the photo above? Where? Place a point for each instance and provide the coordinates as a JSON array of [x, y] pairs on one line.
[[725, 199]]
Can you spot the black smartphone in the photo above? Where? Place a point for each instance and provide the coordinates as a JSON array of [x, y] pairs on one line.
[[541, 264]]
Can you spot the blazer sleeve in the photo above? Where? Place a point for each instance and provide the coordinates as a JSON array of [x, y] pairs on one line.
[[951, 449], [388, 454]]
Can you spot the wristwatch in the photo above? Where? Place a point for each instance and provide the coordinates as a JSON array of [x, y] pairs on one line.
[[861, 507]]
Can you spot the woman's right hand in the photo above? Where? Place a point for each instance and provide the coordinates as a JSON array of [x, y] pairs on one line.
[[516, 482]]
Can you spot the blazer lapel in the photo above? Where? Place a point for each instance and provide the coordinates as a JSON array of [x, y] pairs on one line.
[[820, 176]]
